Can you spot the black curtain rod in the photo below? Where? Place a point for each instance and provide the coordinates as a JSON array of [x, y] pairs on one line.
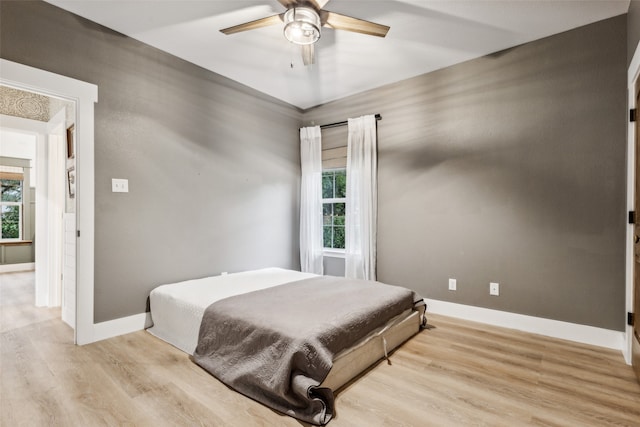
[[335, 125]]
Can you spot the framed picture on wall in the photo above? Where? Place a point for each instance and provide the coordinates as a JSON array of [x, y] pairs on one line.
[[71, 180], [71, 152]]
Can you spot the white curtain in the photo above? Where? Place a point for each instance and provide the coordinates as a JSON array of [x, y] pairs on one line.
[[311, 200], [361, 209]]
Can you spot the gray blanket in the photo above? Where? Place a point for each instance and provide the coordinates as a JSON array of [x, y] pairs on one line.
[[277, 345]]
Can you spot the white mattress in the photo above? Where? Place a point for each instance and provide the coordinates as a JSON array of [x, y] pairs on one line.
[[177, 309]]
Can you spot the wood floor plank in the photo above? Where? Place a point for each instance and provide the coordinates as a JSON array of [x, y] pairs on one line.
[[216, 396], [91, 397], [458, 373]]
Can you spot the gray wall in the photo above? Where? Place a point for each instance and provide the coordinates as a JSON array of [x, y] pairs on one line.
[[333, 266], [633, 28], [213, 166], [508, 168], [16, 254]]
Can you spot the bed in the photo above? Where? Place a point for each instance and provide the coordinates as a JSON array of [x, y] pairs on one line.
[[240, 307]]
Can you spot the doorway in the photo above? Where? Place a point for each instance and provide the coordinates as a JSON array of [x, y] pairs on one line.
[[632, 336], [85, 95], [635, 325], [35, 136]]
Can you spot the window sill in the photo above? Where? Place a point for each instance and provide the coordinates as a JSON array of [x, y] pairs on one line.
[[334, 253], [15, 242]]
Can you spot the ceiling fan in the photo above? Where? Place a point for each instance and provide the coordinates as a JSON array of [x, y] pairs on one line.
[[303, 20]]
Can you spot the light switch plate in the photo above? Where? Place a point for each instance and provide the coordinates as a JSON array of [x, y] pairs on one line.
[[119, 185]]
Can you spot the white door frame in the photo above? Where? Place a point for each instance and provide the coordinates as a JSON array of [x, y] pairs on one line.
[[85, 95], [633, 74]]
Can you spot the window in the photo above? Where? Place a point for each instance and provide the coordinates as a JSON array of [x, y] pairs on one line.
[[334, 190], [11, 209]]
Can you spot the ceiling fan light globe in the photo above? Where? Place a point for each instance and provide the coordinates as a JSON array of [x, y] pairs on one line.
[[302, 25]]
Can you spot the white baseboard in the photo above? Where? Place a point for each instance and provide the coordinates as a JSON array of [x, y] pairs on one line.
[[124, 325], [537, 325], [13, 268]]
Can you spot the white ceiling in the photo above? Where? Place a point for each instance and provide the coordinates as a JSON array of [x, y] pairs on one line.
[[424, 36]]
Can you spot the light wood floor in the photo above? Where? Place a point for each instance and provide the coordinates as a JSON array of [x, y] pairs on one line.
[[457, 374]]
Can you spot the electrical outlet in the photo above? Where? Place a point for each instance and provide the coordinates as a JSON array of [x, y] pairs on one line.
[[452, 284], [494, 288]]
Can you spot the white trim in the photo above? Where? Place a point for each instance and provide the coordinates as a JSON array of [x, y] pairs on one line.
[[121, 326], [633, 74], [334, 253], [21, 125], [85, 95], [536, 325], [13, 268]]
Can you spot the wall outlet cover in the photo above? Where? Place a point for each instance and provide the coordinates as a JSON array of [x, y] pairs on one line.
[[494, 289], [452, 284]]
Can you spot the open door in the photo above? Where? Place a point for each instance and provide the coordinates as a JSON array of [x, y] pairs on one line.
[[49, 227], [635, 347], [69, 271], [85, 94]]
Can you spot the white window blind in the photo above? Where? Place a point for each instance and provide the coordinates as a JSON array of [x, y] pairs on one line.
[[12, 172], [334, 148]]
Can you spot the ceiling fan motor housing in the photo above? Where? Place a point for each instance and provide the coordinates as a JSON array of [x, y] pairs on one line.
[[302, 25]]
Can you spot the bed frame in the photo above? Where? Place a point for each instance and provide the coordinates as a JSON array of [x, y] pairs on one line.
[[351, 363]]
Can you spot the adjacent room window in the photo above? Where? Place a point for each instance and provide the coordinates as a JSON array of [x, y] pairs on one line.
[[334, 191], [11, 209]]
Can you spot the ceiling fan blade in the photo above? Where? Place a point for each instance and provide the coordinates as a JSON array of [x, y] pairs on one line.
[[338, 21], [308, 54], [258, 23], [319, 4]]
